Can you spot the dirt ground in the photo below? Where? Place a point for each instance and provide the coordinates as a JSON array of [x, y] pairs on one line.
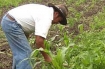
[[5, 52]]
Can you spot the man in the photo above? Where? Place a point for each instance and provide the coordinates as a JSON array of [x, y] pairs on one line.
[[21, 21]]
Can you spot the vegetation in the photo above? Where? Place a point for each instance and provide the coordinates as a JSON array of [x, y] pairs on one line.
[[80, 44]]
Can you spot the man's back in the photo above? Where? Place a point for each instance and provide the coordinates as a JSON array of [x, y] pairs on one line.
[[29, 14]]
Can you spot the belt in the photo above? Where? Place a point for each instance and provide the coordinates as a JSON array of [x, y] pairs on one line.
[[10, 17]]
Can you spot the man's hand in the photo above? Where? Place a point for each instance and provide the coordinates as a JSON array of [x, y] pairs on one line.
[[46, 57], [40, 44]]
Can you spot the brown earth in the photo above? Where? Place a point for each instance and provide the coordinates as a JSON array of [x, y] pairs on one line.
[[5, 52]]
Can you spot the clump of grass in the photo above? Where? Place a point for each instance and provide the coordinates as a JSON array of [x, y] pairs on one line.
[[8, 3]]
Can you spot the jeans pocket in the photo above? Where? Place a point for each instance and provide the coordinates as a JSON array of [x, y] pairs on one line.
[[16, 29]]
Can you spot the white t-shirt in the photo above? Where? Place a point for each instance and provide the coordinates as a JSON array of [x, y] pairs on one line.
[[33, 18]]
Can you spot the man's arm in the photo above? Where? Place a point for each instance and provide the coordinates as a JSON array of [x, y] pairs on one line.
[[40, 43]]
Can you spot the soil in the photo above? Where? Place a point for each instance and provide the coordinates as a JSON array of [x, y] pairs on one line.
[[5, 52]]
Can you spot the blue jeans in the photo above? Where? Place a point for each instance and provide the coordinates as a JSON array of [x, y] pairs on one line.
[[18, 43]]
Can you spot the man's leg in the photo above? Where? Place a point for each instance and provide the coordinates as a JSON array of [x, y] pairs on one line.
[[18, 43]]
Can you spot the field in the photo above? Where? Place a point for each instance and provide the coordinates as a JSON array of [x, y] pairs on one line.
[[78, 45]]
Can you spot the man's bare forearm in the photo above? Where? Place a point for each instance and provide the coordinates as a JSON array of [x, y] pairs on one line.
[[40, 44]]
